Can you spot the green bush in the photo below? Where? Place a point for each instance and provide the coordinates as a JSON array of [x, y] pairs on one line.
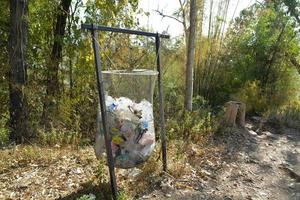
[[193, 125], [122, 195], [267, 100], [101, 171], [4, 131], [288, 115], [59, 136], [87, 197], [251, 95]]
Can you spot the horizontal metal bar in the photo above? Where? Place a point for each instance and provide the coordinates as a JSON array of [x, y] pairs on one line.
[[121, 30]]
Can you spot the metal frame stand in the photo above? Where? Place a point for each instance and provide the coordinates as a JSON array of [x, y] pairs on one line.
[[94, 28]]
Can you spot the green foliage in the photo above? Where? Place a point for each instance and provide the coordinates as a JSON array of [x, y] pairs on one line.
[[31, 153], [251, 94], [256, 65], [78, 98], [194, 125], [108, 12], [4, 32], [101, 172], [4, 131], [60, 136], [87, 197], [122, 195], [288, 115]]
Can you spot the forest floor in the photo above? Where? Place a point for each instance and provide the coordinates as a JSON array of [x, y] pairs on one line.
[[236, 164]]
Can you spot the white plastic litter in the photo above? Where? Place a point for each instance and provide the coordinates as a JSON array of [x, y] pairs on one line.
[[131, 127]]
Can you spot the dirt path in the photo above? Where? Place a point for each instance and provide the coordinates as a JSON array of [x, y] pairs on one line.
[[253, 166]]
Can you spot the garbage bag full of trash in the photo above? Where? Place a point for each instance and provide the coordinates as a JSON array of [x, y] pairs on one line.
[[131, 127]]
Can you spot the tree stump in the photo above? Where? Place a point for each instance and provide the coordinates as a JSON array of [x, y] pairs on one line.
[[235, 113]]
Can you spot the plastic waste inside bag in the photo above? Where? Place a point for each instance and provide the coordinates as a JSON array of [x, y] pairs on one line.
[[130, 122]]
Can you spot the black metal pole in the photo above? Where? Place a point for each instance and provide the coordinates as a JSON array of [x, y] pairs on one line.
[[161, 104], [121, 30], [110, 159]]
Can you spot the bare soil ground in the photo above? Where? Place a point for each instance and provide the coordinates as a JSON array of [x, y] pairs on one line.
[[253, 166], [237, 164]]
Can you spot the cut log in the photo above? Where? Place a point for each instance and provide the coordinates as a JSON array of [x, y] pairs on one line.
[[235, 112]]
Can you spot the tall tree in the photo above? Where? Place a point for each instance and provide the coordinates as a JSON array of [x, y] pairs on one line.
[[190, 39], [18, 70], [190, 57], [53, 87]]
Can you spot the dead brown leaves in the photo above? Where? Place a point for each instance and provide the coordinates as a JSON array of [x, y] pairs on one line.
[[28, 172], [44, 173]]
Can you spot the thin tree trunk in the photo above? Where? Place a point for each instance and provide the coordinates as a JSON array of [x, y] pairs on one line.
[[186, 31], [224, 22], [52, 87], [208, 56], [233, 15], [71, 78], [201, 17], [214, 66], [210, 18], [271, 61], [296, 64], [190, 57], [197, 73], [217, 20], [17, 47], [70, 20]]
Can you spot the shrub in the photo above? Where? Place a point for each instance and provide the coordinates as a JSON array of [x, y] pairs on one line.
[[101, 171], [195, 125], [87, 197], [288, 115], [4, 131], [251, 95], [59, 136]]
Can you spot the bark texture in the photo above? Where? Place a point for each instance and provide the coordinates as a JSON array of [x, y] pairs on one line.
[[52, 86], [190, 57], [17, 47]]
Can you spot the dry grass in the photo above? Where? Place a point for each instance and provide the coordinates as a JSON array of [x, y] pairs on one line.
[[70, 172], [55, 172]]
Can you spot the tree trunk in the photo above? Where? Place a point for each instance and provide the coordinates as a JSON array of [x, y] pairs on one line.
[[190, 57], [185, 29], [199, 47], [52, 87], [71, 78], [296, 64], [19, 126], [210, 19]]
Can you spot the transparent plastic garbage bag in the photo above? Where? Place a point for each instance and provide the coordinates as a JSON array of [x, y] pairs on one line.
[[130, 121]]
